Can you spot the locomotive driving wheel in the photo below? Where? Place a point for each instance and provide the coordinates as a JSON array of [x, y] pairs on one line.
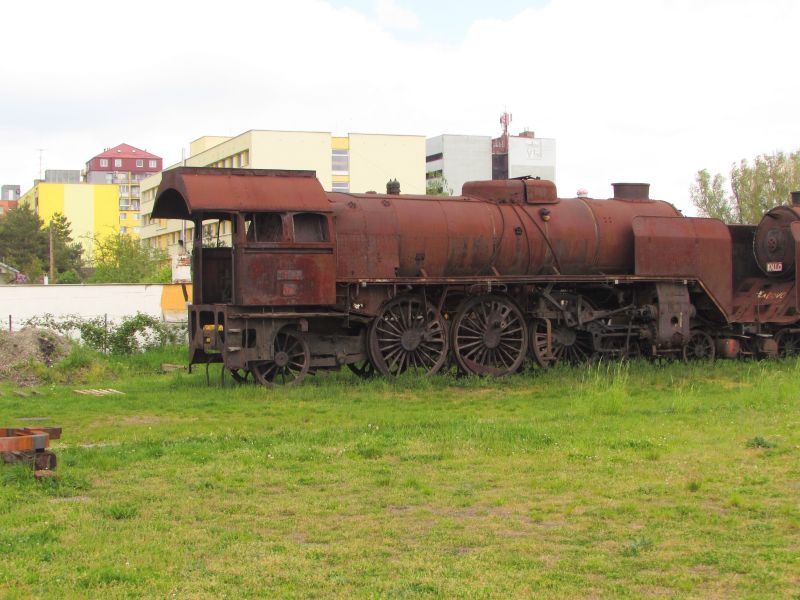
[[788, 343], [565, 344], [408, 334], [489, 336], [292, 358], [699, 347]]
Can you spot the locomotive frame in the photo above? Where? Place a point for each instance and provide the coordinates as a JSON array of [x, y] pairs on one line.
[[314, 281]]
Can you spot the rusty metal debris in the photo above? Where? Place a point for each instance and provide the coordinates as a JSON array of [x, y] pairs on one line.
[[29, 445]]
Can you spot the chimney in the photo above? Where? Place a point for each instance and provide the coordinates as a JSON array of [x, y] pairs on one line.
[[393, 187], [631, 191], [795, 198]]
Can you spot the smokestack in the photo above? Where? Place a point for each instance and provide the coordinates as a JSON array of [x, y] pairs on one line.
[[393, 187], [795, 198], [631, 191]]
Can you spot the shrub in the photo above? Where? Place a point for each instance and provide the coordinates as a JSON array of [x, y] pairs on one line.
[[134, 333]]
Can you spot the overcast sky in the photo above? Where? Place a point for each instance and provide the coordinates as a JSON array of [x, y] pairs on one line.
[[632, 90]]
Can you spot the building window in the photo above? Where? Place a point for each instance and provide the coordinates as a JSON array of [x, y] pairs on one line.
[[103, 162], [123, 229], [340, 162], [340, 186], [109, 178], [152, 164], [139, 162], [117, 162]]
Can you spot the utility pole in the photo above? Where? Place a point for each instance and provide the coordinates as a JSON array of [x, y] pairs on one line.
[[52, 256]]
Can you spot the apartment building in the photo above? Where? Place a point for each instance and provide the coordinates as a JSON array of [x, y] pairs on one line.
[[125, 167]]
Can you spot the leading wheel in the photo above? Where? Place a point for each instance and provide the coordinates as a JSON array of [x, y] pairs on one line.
[[489, 336], [409, 333], [700, 346], [289, 366]]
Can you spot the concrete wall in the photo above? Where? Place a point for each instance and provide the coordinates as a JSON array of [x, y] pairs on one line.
[[466, 158], [22, 302]]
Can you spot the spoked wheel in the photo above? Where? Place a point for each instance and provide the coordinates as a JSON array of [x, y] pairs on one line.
[[788, 343], [240, 375], [363, 368], [408, 334], [291, 362], [489, 336], [566, 345], [699, 347]]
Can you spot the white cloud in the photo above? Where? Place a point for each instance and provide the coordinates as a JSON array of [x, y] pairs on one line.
[[631, 90], [393, 16]]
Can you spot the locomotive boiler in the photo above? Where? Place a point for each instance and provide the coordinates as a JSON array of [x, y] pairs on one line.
[[483, 281]]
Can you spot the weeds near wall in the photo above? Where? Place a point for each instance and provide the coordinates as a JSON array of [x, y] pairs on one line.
[[134, 333]]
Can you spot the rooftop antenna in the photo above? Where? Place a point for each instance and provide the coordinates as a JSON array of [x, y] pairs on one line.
[[41, 151], [505, 121]]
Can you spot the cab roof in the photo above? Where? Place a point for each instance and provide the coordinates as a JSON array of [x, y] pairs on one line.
[[189, 192]]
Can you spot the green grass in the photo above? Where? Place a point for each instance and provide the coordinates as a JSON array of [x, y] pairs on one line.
[[607, 481]]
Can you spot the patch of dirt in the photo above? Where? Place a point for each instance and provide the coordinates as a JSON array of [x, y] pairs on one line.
[[31, 344], [140, 420]]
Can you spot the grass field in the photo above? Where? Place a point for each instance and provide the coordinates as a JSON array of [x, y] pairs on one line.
[[607, 481]]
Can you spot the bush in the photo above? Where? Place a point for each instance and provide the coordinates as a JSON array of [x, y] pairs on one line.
[[133, 334]]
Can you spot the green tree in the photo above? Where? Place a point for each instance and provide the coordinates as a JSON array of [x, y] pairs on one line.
[[23, 241], [438, 186], [67, 253], [120, 258], [755, 188]]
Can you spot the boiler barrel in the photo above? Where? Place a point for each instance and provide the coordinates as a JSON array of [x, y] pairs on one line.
[[408, 236]]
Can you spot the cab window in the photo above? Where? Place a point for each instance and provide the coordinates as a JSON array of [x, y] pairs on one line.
[[264, 227], [310, 227]]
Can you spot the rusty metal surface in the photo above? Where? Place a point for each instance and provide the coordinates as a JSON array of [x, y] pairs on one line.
[[689, 247], [294, 277], [773, 243], [761, 300], [30, 445], [187, 191], [381, 236]]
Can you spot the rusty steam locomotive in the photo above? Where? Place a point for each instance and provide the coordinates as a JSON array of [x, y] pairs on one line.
[[508, 271]]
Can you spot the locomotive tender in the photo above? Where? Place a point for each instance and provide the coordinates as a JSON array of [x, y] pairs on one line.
[[315, 280]]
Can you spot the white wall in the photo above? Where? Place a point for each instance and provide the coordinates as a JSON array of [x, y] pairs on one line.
[[22, 302]]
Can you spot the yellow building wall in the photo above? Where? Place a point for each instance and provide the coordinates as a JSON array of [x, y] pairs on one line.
[[204, 143], [218, 153], [50, 200], [91, 209], [305, 150], [375, 159], [106, 210]]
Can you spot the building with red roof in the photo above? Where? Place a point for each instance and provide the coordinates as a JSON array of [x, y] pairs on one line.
[[125, 166]]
